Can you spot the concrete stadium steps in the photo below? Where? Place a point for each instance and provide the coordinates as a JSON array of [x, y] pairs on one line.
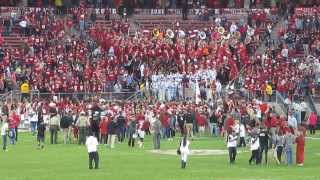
[[13, 41], [277, 108]]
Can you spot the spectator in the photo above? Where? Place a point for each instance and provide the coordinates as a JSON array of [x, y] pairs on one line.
[[65, 124], [83, 124], [4, 130], [312, 121], [92, 146], [112, 133], [54, 127]]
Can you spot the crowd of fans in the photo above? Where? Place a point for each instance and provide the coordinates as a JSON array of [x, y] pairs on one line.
[[75, 54], [77, 57], [113, 122]]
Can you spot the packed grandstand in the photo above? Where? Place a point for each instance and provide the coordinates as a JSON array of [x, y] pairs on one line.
[[260, 61]]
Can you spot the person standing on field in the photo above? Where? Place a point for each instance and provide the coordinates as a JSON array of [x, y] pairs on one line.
[[254, 146], [156, 129], [65, 124], [92, 146], [242, 134], [4, 130], [83, 124], [112, 132], [232, 145], [41, 134], [54, 127], [184, 151]]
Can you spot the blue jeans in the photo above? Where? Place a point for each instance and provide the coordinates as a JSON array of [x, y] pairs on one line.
[[289, 154], [4, 142], [214, 129], [12, 135], [33, 127]]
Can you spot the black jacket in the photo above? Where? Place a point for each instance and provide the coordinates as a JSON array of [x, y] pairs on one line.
[[112, 127], [66, 121]]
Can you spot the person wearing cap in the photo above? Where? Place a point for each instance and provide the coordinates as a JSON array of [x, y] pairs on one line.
[[92, 147], [83, 124]]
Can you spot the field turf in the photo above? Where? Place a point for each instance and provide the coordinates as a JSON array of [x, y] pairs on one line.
[[24, 161]]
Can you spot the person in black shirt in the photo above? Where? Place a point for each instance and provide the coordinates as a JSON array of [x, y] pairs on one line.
[[112, 132], [121, 127], [94, 124], [213, 124], [41, 134], [65, 124], [181, 122], [189, 123], [264, 141]]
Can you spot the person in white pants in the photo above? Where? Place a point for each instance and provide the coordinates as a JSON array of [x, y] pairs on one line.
[[185, 151]]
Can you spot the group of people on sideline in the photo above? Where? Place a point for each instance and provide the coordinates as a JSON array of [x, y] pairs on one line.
[[241, 123]]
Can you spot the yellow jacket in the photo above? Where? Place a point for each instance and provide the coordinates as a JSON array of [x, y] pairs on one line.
[[25, 88], [269, 89]]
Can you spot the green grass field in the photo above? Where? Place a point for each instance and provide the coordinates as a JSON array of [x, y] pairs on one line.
[[70, 162]]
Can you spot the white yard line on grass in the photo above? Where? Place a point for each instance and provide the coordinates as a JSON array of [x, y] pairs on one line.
[[312, 138]]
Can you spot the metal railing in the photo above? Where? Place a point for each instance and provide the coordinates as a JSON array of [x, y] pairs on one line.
[[78, 96]]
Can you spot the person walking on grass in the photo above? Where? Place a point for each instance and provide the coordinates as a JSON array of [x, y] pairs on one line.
[[312, 122], [33, 119], [254, 146], [132, 131], [92, 147], [54, 127], [156, 130], [264, 143], [83, 124], [184, 151], [41, 134], [289, 140], [232, 145], [300, 140], [4, 130], [279, 141], [242, 134], [65, 124], [112, 132]]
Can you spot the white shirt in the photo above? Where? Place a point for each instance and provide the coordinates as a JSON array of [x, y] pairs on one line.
[[4, 128], [242, 131], [232, 141], [92, 144], [254, 144], [185, 149], [292, 122]]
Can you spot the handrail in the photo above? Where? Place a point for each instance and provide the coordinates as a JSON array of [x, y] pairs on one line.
[[312, 104], [281, 101]]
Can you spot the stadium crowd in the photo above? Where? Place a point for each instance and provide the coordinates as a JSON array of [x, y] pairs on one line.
[[181, 73]]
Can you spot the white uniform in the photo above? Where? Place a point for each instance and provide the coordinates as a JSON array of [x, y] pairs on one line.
[[185, 151]]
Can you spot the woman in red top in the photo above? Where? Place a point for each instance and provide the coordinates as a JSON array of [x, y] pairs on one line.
[[300, 140], [14, 121], [103, 130], [201, 121]]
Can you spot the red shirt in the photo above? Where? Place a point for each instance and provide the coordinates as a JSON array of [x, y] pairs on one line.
[[103, 127]]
